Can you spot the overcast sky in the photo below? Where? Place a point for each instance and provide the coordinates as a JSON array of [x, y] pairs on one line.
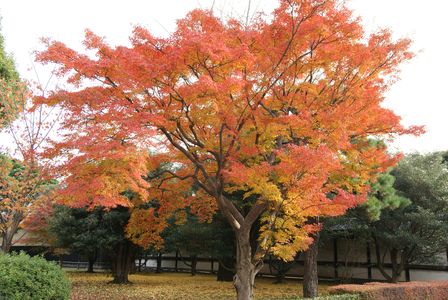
[[419, 97]]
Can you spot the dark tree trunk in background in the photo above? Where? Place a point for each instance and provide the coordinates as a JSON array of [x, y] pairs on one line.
[[159, 263], [91, 261], [225, 272], [279, 269], [398, 264], [122, 262], [194, 263], [310, 278], [281, 274], [447, 255]]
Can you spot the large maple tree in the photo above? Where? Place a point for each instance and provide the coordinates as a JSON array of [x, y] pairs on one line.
[[281, 109]]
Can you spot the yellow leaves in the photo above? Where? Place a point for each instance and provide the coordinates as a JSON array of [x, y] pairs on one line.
[[174, 286], [265, 189], [5, 166], [13, 96], [144, 228], [283, 235]]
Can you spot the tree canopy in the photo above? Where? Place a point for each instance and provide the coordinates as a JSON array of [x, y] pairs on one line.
[[282, 109]]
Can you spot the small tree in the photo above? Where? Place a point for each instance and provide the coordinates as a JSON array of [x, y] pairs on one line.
[[20, 187]]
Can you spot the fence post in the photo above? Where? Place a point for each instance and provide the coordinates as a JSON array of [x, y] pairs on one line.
[[175, 262]]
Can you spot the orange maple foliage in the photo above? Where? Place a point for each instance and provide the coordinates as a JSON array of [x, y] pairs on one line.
[[282, 109]]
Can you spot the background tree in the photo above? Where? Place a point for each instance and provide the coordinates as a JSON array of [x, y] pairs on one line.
[[83, 232], [26, 180], [359, 222], [23, 181], [190, 237], [224, 248], [9, 86], [416, 232], [279, 268], [281, 109], [20, 187], [89, 232], [405, 217]]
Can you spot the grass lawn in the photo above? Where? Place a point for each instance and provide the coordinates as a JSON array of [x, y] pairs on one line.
[[175, 286]]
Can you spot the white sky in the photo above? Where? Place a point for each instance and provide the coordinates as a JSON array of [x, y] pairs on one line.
[[419, 97]]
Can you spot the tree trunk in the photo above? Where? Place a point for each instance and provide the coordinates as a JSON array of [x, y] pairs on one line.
[[122, 262], [91, 260], [194, 262], [8, 236], [244, 278], [6, 243], [446, 255], [397, 267], [224, 271], [159, 263], [280, 277], [380, 261], [246, 266], [310, 278]]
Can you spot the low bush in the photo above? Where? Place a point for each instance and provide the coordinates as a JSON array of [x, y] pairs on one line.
[[338, 297], [24, 277], [417, 290]]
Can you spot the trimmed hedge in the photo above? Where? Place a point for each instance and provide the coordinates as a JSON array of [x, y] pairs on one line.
[[24, 277], [337, 297], [416, 290]]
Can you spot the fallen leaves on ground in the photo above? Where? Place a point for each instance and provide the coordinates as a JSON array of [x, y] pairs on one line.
[[174, 286]]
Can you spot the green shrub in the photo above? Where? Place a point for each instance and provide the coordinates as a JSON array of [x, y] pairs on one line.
[[24, 277]]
